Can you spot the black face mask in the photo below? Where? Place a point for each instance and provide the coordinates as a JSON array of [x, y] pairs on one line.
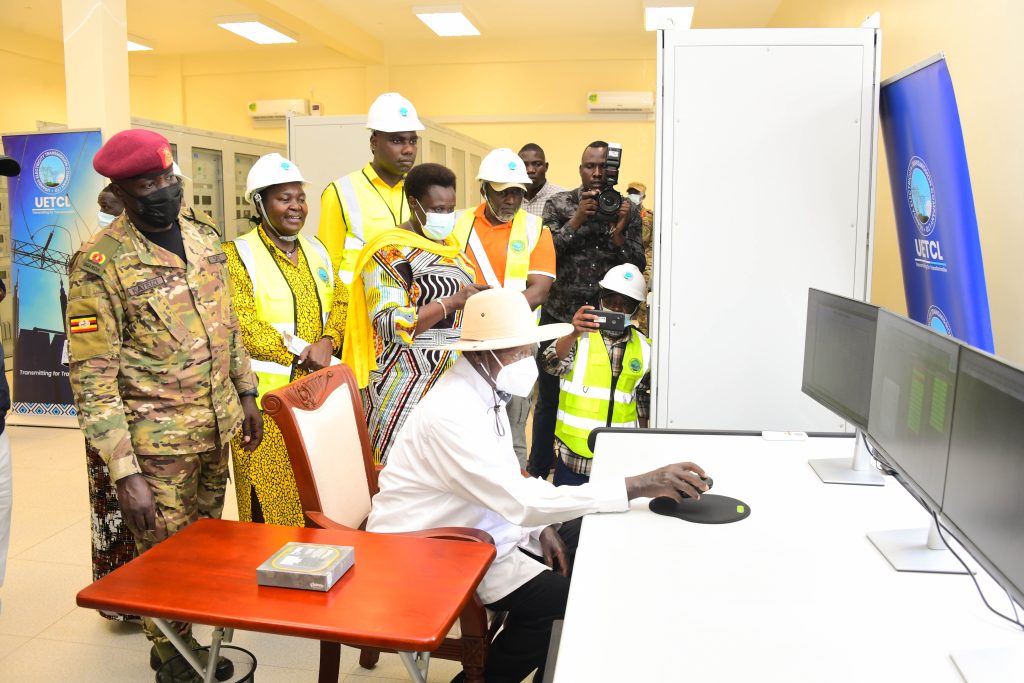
[[159, 209]]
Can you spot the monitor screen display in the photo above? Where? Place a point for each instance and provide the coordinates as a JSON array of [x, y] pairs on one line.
[[983, 504], [912, 389], [839, 350]]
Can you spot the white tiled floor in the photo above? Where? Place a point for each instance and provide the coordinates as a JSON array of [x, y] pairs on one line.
[[44, 636]]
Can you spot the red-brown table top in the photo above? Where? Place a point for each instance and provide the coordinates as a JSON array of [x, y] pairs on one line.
[[402, 593]]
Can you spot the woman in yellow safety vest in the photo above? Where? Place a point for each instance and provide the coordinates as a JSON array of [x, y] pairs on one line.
[[407, 299], [292, 315]]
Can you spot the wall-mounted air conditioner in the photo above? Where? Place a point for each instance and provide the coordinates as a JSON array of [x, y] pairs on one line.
[[268, 113], [636, 101]]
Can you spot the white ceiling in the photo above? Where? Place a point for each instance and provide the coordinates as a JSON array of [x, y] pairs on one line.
[[387, 31]]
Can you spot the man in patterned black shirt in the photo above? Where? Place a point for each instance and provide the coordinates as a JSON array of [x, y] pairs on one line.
[[585, 248]]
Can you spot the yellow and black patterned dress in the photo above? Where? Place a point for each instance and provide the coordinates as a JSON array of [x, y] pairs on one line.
[[265, 475]]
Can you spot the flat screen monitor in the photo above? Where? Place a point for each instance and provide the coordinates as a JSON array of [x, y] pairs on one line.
[[912, 389], [983, 504], [839, 351]]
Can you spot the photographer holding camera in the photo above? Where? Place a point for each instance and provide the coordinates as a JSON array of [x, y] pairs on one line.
[[594, 229]]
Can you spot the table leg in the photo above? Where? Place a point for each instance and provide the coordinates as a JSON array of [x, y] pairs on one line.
[[211, 662], [180, 645], [416, 664]]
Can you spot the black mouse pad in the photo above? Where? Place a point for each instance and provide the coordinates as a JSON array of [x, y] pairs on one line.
[[710, 509]]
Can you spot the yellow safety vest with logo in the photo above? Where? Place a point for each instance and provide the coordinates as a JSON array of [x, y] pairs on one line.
[[523, 237], [275, 301], [586, 391], [367, 214]]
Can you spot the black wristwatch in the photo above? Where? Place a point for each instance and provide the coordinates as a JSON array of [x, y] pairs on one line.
[[248, 392]]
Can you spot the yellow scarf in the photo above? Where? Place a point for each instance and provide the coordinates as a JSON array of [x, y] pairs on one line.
[[358, 351]]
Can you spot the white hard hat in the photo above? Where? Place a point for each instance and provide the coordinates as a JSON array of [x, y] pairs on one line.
[[626, 279], [503, 169], [392, 113], [270, 169], [177, 170]]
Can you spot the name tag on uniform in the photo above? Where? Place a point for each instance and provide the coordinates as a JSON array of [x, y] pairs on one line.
[[145, 286], [219, 257]]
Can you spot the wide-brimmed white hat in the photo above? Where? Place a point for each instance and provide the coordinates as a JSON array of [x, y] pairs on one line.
[[502, 319]]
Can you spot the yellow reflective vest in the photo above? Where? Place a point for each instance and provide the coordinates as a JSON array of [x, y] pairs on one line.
[[586, 391], [353, 210], [275, 301], [522, 239]]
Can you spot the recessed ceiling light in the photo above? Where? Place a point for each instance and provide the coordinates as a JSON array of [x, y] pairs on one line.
[[446, 20], [136, 45], [255, 29]]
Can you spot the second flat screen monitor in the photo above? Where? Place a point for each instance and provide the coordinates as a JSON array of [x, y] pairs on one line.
[[912, 391]]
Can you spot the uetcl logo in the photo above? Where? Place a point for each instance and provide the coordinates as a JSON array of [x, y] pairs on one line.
[[921, 201]]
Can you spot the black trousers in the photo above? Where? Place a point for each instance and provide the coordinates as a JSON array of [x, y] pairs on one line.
[[545, 413], [522, 645]]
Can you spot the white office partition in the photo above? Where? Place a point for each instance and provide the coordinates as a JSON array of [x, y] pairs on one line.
[[766, 143], [328, 147]]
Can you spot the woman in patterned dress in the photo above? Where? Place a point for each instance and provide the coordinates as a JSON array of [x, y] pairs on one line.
[[414, 283], [282, 284]]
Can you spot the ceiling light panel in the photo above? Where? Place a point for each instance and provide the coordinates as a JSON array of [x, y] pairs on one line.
[[256, 30], [446, 20]]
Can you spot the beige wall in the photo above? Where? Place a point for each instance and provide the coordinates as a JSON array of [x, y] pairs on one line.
[[981, 43], [32, 81]]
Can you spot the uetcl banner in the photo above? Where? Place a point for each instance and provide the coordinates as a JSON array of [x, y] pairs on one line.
[[53, 210], [936, 224]]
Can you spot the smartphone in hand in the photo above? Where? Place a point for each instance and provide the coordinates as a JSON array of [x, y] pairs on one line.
[[612, 321]]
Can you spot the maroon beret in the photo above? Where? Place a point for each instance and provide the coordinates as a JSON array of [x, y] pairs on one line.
[[133, 153]]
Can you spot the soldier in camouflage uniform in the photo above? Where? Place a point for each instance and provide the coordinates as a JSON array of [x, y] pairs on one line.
[[161, 378], [636, 193]]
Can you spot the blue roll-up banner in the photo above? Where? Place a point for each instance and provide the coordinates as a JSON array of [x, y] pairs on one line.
[[53, 210], [936, 225]]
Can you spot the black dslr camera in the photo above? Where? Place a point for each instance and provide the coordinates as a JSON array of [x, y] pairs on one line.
[[608, 199]]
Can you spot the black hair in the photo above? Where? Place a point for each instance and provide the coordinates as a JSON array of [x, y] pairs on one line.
[[598, 144], [421, 178], [109, 188], [533, 147]]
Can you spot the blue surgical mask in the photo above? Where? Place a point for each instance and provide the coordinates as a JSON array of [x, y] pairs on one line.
[[104, 219], [437, 226], [635, 198]]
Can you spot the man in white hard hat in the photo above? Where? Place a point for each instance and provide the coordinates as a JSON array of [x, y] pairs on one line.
[[604, 370], [509, 248], [457, 468], [357, 207]]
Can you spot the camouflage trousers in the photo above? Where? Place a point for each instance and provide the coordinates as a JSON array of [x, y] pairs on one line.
[[185, 488]]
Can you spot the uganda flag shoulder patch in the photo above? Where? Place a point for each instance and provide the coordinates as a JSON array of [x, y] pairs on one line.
[[82, 323]]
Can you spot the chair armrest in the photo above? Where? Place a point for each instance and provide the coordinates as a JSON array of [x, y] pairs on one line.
[[319, 520], [453, 533]]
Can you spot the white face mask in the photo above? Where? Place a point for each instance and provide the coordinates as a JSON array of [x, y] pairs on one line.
[[438, 226], [104, 219], [516, 378], [635, 198]]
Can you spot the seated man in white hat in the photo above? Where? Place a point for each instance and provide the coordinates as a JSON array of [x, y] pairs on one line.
[[453, 465]]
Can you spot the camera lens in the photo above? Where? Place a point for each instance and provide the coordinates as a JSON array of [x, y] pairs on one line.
[[608, 202]]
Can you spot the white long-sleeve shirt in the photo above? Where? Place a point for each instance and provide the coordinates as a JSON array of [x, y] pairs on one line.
[[450, 467]]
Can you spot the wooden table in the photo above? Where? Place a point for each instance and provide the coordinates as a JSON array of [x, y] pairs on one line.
[[403, 593]]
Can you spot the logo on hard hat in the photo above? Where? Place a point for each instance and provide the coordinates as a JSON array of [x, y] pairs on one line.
[[627, 275], [511, 165], [285, 165], [403, 111], [323, 274], [634, 365], [517, 245]]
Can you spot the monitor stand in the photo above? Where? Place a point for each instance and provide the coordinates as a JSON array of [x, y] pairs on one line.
[[995, 665], [859, 470], [909, 550]]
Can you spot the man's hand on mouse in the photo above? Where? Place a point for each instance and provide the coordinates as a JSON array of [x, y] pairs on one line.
[[671, 481]]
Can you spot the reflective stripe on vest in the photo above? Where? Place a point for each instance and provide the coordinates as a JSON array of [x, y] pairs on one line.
[[586, 388], [354, 197], [279, 311], [524, 234]]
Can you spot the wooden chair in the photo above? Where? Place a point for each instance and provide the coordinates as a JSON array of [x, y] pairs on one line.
[[321, 419]]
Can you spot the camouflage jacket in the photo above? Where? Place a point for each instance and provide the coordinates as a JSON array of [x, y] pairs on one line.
[[155, 349]]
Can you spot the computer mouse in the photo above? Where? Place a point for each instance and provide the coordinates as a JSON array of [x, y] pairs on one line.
[[707, 480]]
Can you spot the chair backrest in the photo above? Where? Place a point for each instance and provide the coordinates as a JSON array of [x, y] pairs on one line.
[[321, 419]]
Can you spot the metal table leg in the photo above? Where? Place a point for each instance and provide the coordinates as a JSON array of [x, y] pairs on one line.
[[219, 635], [416, 664]]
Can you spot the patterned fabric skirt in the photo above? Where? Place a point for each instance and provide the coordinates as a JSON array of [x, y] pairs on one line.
[[112, 543], [269, 472]]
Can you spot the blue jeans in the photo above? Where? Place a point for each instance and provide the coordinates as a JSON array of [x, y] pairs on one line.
[[566, 477]]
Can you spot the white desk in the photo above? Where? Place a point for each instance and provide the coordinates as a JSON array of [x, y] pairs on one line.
[[795, 592]]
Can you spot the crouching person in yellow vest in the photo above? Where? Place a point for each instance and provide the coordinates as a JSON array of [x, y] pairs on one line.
[[291, 312], [509, 248], [605, 374]]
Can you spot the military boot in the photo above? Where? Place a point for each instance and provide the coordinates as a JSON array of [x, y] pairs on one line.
[[162, 652]]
